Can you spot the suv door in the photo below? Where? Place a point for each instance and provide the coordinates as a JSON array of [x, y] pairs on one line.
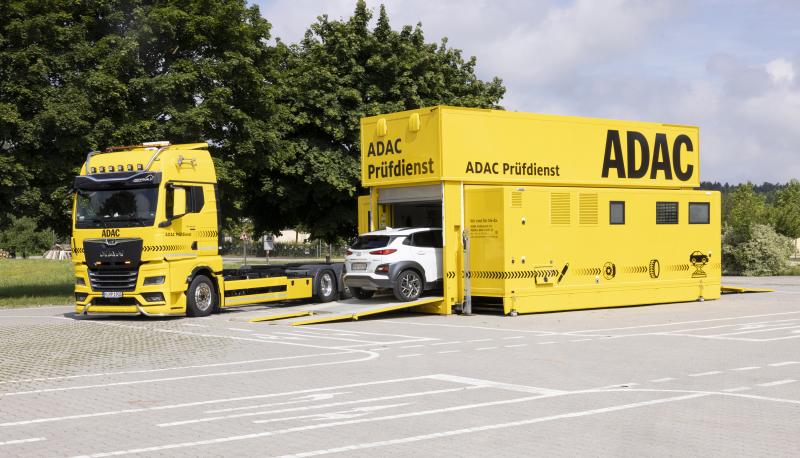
[[428, 253]]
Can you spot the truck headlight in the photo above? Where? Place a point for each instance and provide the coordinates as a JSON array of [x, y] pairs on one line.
[[80, 281], [159, 280]]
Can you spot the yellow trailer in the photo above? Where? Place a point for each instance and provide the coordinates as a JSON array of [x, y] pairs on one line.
[[552, 212]]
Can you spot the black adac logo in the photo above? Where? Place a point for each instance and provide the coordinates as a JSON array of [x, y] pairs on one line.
[[110, 233], [639, 161], [381, 148], [698, 261]]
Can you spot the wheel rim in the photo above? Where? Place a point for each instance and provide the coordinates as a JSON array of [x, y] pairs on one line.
[[326, 285], [409, 285], [202, 296]]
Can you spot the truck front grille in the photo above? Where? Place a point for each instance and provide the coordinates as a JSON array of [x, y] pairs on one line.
[[113, 280]]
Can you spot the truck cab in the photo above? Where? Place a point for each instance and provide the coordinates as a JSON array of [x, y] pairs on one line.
[[146, 234]]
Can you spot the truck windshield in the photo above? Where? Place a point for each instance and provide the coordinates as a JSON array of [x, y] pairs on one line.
[[116, 207]]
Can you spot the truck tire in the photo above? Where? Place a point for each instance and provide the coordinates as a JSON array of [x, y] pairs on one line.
[[326, 286], [408, 286], [361, 293], [201, 297]]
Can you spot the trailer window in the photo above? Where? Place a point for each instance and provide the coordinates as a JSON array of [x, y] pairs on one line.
[[617, 212], [699, 213], [368, 242], [666, 212]]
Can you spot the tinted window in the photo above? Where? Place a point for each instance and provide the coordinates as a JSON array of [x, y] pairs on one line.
[[368, 242], [617, 212], [428, 239], [195, 199], [699, 213], [666, 212]]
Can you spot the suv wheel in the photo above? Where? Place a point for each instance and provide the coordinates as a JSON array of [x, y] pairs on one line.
[[408, 286], [362, 293]]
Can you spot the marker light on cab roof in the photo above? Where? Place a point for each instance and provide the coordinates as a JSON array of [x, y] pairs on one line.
[[158, 144]]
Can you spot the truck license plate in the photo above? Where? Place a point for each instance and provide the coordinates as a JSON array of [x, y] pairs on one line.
[[359, 266], [112, 294]]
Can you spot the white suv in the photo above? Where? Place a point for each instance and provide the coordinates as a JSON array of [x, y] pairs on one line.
[[405, 260]]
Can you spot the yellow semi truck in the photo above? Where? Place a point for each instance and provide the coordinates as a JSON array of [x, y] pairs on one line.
[[146, 240]]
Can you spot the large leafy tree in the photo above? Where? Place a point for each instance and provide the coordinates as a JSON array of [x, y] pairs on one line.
[[341, 71], [82, 75]]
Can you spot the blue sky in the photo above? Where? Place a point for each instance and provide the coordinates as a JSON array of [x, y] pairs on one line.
[[730, 67]]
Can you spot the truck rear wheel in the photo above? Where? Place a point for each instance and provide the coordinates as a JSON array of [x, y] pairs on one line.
[[326, 286], [201, 297]]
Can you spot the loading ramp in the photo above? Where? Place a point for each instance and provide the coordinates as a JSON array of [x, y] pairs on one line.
[[346, 309]]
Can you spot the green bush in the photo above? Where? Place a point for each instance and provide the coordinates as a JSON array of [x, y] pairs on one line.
[[23, 238], [765, 252]]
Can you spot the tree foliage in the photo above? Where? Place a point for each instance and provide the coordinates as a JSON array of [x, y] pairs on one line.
[[765, 252], [341, 71], [23, 238], [80, 76]]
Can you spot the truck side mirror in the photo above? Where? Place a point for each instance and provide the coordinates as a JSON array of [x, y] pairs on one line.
[[176, 204]]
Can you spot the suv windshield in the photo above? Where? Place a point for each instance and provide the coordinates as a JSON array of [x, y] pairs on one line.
[[368, 242], [116, 207]]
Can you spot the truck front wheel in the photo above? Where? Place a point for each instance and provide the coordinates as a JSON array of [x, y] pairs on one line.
[[201, 297]]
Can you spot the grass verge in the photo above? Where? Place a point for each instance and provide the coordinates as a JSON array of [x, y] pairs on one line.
[[27, 282]]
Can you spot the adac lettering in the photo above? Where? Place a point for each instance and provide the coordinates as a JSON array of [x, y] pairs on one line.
[[380, 148], [639, 161], [110, 233]]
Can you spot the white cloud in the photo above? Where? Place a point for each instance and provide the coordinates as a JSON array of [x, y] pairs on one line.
[[726, 66], [780, 70]]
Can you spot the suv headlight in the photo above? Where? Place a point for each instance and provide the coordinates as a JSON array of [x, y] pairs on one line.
[[159, 280]]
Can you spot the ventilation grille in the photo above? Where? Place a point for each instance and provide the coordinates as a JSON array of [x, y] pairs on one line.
[[588, 208], [516, 199], [559, 208]]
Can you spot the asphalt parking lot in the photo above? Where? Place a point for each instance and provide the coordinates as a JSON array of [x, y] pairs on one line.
[[719, 378]]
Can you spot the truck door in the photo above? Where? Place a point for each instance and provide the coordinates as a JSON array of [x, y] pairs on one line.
[[190, 200]]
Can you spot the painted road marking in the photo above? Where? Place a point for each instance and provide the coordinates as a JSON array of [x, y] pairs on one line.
[[412, 346], [300, 400], [448, 351], [785, 363], [22, 441], [515, 346], [703, 374], [737, 389], [476, 429], [747, 368], [485, 348], [446, 343], [409, 355], [779, 382], [227, 439], [546, 343], [479, 340], [320, 406], [660, 380], [213, 401]]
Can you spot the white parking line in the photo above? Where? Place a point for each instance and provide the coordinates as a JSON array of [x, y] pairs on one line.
[[685, 322], [784, 363], [318, 406], [513, 337], [240, 329], [779, 382], [703, 374], [747, 368], [448, 351], [476, 429], [545, 343], [412, 355], [661, 380], [446, 343], [515, 346], [485, 348], [22, 441], [479, 340], [412, 346], [212, 401], [737, 389]]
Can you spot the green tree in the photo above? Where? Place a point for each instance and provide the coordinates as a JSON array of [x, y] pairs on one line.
[[82, 75], [786, 210], [744, 208], [341, 71], [23, 237], [765, 253]]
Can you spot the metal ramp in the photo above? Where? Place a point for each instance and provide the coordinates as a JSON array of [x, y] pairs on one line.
[[741, 289], [347, 309]]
